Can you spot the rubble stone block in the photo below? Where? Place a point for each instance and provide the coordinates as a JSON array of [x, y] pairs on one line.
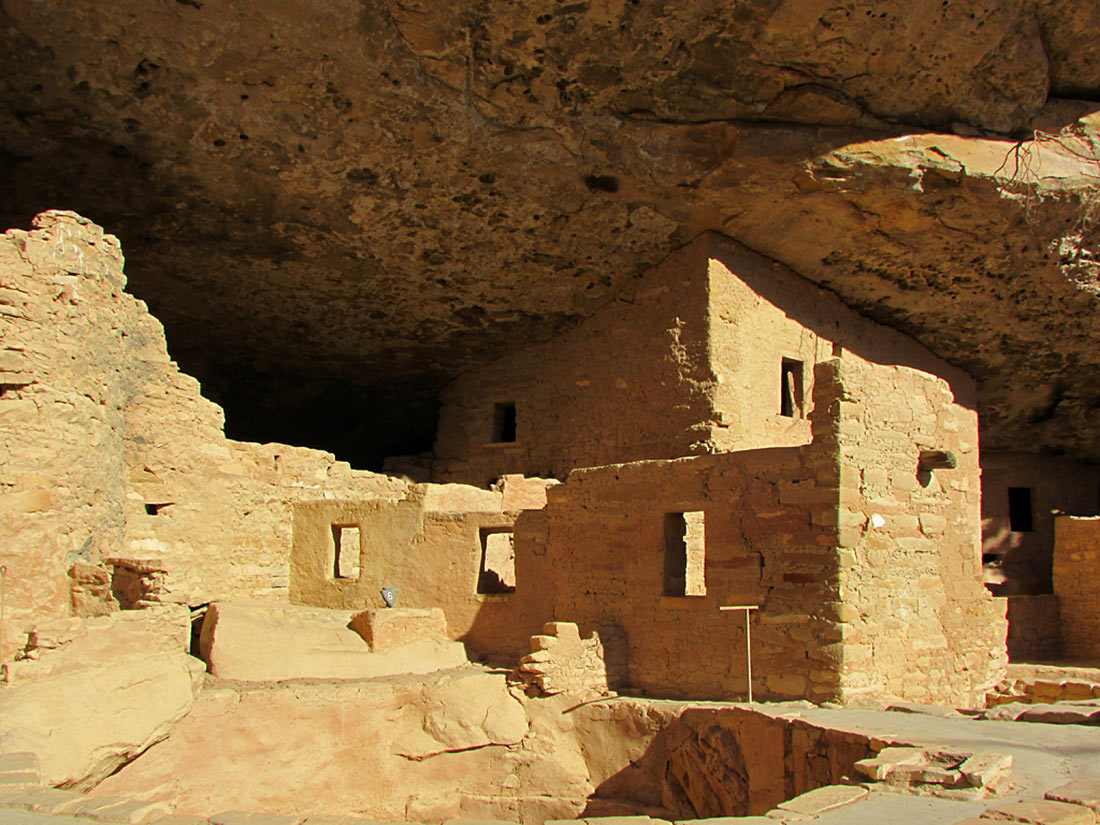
[[887, 760], [42, 800], [1078, 792], [389, 628], [1042, 812], [823, 799], [117, 809], [244, 818], [983, 770]]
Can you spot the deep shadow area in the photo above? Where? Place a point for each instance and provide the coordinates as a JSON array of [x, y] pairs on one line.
[[362, 423], [714, 761]]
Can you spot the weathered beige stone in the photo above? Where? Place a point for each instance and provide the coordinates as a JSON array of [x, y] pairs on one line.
[[385, 629], [824, 799], [263, 642], [43, 800], [86, 720], [128, 811], [562, 662], [1078, 792], [1042, 812], [62, 644], [123, 458]]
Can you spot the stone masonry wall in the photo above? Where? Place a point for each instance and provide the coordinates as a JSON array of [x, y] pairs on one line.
[[862, 574], [918, 623], [109, 452], [631, 382], [603, 566], [1076, 571], [1023, 559], [62, 482]]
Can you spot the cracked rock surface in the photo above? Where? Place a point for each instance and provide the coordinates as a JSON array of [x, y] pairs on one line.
[[336, 206]]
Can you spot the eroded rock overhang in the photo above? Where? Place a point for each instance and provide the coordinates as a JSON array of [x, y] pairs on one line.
[[336, 207]]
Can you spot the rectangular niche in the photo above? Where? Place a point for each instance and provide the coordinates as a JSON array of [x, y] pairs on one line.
[[685, 554], [790, 390], [1020, 513], [504, 422], [347, 546], [497, 573]]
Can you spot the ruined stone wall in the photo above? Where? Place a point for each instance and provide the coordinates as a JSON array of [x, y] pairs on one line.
[[1020, 560], [629, 383], [1076, 571], [918, 624], [61, 413], [109, 452]]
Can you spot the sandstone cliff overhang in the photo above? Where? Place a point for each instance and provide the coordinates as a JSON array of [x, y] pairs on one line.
[[336, 207]]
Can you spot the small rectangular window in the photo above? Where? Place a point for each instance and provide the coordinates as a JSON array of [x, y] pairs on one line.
[[498, 563], [347, 546], [790, 390], [685, 554], [504, 422], [1019, 510]]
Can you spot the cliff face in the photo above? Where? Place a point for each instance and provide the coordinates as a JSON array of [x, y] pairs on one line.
[[336, 206]]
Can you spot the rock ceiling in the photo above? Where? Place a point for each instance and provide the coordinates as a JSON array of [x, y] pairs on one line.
[[336, 205]]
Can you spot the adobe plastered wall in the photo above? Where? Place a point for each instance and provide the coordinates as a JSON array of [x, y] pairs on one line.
[[918, 623], [100, 430], [1076, 571], [429, 549], [1056, 484], [630, 382]]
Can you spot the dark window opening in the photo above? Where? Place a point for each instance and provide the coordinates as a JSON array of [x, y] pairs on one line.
[[152, 509], [504, 422], [497, 573], [1019, 510], [790, 390], [685, 554], [347, 546]]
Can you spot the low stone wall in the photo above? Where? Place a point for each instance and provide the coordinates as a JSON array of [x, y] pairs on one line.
[[1034, 628], [1076, 571], [109, 452]]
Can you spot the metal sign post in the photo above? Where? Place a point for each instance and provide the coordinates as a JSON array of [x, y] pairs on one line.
[[748, 637]]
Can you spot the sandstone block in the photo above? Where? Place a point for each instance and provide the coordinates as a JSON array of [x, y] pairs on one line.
[[42, 800], [111, 709], [1079, 792], [887, 761], [63, 644], [1042, 812], [19, 769], [258, 642], [1062, 714], [823, 799], [460, 498], [128, 811], [386, 629], [983, 770], [243, 818], [467, 712]]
